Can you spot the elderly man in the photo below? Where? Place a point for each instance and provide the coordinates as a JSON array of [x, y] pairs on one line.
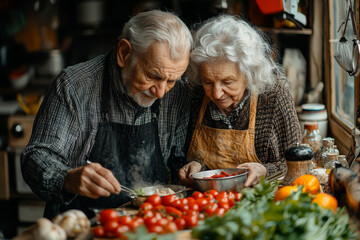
[[113, 119]]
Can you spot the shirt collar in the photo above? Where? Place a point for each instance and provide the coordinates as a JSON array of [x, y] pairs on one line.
[[217, 115]]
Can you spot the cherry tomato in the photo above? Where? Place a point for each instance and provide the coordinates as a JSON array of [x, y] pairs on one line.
[[210, 209], [154, 200], [191, 200], [145, 213], [120, 230], [150, 221], [169, 199], [107, 215], [194, 206], [238, 196], [136, 223], [99, 231], [201, 216], [183, 207], [197, 195], [146, 205], [110, 226], [173, 211], [202, 202], [225, 205], [170, 227], [183, 201], [191, 212], [213, 192], [156, 229], [220, 211], [191, 220], [163, 221], [180, 223], [124, 220], [159, 208]]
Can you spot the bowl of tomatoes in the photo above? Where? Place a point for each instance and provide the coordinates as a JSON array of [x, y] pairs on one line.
[[227, 179]]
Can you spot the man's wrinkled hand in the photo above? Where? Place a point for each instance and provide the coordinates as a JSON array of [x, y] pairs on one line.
[[256, 171], [91, 181], [186, 172]]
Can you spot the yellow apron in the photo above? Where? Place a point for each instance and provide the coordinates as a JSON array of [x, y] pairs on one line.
[[223, 148]]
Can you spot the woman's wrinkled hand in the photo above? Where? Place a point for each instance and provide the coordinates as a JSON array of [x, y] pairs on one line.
[[256, 171], [92, 180], [186, 172]]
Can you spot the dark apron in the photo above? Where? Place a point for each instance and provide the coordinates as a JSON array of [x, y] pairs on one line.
[[132, 153]]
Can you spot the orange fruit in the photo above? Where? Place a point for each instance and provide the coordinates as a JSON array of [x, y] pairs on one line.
[[311, 183], [284, 192], [325, 200]]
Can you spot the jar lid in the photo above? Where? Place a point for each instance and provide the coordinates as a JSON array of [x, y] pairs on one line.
[[313, 107], [299, 153], [311, 125]]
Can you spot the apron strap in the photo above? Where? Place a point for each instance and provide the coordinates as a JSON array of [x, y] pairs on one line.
[[105, 90], [253, 106], [202, 110]]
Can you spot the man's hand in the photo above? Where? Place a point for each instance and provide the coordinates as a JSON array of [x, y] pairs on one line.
[[91, 181], [186, 171], [256, 171]]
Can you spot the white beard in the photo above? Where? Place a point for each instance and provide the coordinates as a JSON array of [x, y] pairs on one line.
[[139, 98]]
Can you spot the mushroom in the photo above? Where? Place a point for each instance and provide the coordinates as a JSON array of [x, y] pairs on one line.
[[73, 222]]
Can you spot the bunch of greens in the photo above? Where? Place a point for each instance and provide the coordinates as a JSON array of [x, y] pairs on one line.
[[257, 216]]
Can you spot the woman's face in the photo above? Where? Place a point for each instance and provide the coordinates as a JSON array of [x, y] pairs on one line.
[[223, 84]]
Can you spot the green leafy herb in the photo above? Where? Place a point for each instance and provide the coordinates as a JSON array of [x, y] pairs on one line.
[[139, 192], [257, 216]]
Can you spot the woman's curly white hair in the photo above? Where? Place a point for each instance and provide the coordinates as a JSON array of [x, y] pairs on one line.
[[227, 37]]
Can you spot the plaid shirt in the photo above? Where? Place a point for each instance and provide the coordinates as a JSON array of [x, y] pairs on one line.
[[67, 122], [276, 128]]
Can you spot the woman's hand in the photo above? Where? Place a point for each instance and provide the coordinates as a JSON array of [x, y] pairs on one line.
[[186, 171], [256, 171], [91, 181]]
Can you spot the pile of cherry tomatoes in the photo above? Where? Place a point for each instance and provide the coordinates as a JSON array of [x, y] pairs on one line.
[[167, 214]]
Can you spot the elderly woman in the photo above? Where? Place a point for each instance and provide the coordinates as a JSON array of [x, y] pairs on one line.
[[247, 117]]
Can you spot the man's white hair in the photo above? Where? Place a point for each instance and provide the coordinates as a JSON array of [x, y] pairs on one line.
[[157, 26]]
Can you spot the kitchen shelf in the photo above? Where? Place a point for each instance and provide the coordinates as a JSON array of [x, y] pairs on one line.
[[304, 31]]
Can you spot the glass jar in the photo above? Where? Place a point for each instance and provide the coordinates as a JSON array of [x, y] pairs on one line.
[[327, 146], [312, 136], [343, 161], [331, 158]]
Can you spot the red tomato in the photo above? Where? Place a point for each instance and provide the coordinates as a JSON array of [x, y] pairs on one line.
[[209, 197], [169, 199], [145, 213], [183, 201], [170, 227], [238, 196], [197, 195], [120, 230], [162, 222], [213, 192], [191, 220], [226, 206], [136, 223], [191, 200], [146, 205], [210, 210], [194, 206], [183, 207], [180, 223], [99, 231], [191, 212], [173, 211], [201, 216], [202, 202], [154, 200], [156, 229], [110, 226], [107, 215], [125, 220], [159, 208], [150, 221], [220, 211]]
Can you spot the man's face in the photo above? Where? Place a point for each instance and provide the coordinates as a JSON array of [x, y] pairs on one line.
[[153, 74]]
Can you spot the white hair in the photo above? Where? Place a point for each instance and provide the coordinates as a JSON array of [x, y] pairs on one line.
[[157, 26], [229, 38]]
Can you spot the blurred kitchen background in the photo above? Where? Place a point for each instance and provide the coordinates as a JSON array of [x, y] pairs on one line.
[[38, 38]]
